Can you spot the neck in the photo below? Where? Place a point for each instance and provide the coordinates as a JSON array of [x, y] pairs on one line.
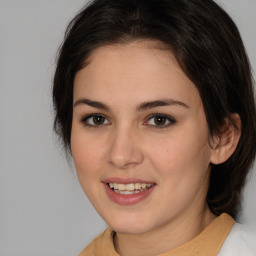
[[165, 238]]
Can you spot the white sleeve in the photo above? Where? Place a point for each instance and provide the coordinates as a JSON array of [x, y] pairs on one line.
[[238, 243]]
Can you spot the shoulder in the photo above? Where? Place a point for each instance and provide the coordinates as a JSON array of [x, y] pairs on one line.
[[94, 246], [238, 242], [101, 245]]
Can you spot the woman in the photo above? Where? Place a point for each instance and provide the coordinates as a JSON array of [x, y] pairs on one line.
[[154, 100]]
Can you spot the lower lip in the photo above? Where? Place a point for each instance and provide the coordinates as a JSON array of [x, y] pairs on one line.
[[127, 199]]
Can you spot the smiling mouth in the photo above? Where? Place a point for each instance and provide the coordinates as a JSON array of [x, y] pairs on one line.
[[129, 189]]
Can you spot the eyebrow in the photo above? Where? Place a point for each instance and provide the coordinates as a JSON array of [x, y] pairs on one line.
[[160, 103], [143, 106], [92, 103]]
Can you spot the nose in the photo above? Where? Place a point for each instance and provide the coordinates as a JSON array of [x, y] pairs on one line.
[[125, 149]]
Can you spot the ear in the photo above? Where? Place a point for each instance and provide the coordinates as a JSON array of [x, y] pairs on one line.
[[226, 142]]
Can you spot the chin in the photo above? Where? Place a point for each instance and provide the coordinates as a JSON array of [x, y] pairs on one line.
[[129, 230], [131, 226]]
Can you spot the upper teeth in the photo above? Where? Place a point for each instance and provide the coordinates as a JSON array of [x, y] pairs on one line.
[[130, 186]]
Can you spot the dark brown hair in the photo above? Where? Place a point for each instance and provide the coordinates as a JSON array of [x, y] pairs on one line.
[[208, 48]]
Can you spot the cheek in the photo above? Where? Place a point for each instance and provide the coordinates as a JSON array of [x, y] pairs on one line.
[[86, 159], [86, 153], [181, 154], [182, 170]]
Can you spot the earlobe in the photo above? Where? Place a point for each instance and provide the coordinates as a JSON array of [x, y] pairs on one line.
[[225, 144]]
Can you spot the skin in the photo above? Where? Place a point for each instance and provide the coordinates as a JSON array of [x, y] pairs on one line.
[[175, 155]]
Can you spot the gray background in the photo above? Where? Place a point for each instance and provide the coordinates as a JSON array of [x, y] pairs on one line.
[[43, 211]]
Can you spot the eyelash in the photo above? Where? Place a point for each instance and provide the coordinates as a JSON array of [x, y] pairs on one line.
[[166, 118], [86, 118]]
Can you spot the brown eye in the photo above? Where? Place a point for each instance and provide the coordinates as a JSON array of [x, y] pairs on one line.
[[95, 121], [98, 120], [160, 121]]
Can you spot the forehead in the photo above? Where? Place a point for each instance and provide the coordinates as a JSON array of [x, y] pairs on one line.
[[134, 70], [129, 53]]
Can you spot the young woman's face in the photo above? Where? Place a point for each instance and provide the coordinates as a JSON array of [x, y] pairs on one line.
[[139, 138]]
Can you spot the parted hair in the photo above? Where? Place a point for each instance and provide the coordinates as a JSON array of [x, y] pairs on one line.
[[208, 47]]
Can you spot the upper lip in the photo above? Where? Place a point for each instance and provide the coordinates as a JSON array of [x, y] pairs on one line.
[[125, 180]]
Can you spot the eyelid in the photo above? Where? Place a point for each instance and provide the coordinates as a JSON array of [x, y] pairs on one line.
[[169, 118], [85, 118]]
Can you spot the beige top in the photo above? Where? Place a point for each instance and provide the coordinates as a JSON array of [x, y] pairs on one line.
[[208, 242]]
